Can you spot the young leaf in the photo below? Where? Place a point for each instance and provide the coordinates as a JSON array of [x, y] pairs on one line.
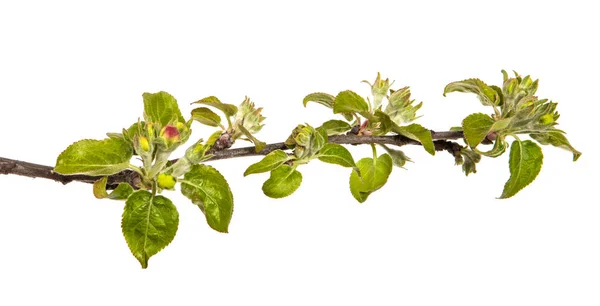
[[258, 145], [557, 139], [334, 153], [208, 189], [95, 157], [161, 108], [334, 127], [283, 181], [525, 163], [499, 148], [382, 123], [487, 95], [149, 224], [248, 116], [206, 116], [374, 174], [321, 98], [268, 163], [122, 192], [400, 107], [228, 109], [468, 159], [349, 102], [398, 157], [476, 127], [418, 133], [379, 90]]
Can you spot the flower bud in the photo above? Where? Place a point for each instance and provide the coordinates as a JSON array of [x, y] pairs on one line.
[[170, 134], [166, 181], [379, 90], [547, 119], [144, 144], [150, 130]]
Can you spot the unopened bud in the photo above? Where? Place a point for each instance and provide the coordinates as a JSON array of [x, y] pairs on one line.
[[144, 144], [166, 181], [547, 119], [170, 134]]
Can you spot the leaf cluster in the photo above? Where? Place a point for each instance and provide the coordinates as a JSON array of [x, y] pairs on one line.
[[516, 111], [150, 220]]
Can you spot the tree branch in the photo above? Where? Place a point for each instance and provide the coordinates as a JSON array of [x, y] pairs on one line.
[[16, 167]]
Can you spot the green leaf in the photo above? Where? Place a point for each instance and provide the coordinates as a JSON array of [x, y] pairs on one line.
[[374, 174], [334, 127], [525, 163], [149, 224], [258, 145], [349, 102], [476, 127], [398, 157], [499, 148], [227, 109], [206, 116], [283, 181], [122, 192], [135, 129], [468, 159], [501, 124], [334, 153], [418, 133], [382, 123], [321, 98], [95, 157], [486, 94], [268, 163], [161, 108], [557, 139], [208, 189]]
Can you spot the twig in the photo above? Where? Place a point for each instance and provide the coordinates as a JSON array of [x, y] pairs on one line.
[[16, 167]]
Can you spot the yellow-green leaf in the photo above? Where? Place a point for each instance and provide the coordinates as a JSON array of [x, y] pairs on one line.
[[161, 108], [283, 181], [334, 153], [268, 163], [334, 127], [228, 109], [122, 192], [486, 94], [349, 102], [374, 174], [418, 133], [525, 163], [95, 157], [206, 116], [208, 189], [476, 127], [557, 139], [321, 98], [149, 224]]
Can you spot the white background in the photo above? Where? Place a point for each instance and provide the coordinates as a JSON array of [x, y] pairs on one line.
[[431, 236]]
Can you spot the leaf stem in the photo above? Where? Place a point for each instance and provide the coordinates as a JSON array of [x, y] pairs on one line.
[[374, 149], [137, 169]]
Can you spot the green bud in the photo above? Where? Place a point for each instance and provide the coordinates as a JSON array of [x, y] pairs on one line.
[[166, 181], [144, 144], [547, 119], [379, 90]]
